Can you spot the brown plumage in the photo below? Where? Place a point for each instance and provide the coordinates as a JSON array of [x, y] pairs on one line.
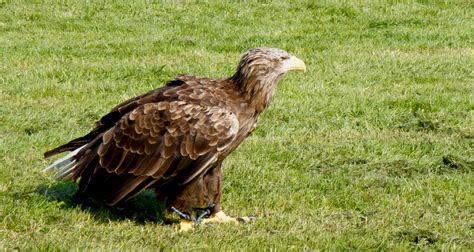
[[174, 138]]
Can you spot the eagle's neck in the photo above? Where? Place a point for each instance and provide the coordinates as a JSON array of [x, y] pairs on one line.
[[257, 88]]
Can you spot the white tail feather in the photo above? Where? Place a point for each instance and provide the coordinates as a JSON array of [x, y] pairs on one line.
[[65, 172], [65, 165]]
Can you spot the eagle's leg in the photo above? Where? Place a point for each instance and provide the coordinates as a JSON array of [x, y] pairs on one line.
[[201, 195], [212, 180]]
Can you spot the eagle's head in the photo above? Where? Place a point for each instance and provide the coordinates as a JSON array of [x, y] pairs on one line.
[[269, 61], [260, 69]]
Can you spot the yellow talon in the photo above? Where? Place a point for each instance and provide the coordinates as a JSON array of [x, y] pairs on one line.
[[186, 226], [220, 217]]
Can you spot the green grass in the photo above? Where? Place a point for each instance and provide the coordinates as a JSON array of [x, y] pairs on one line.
[[372, 148]]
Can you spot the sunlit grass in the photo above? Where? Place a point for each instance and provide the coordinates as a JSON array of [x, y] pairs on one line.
[[370, 148]]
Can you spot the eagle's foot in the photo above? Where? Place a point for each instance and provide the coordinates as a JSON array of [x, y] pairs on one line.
[[184, 216], [205, 213], [189, 221], [221, 217]]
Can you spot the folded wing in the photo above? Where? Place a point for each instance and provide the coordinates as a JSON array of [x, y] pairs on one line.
[[158, 143]]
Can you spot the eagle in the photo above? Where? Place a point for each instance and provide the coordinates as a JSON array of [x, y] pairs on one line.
[[173, 139]]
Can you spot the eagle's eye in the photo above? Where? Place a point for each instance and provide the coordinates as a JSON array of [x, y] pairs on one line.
[[284, 57]]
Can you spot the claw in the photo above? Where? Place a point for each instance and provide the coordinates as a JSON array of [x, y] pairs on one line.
[[220, 217], [205, 213], [189, 221], [187, 224], [183, 215], [246, 219]]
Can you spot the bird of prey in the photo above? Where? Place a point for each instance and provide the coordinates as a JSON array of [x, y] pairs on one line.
[[174, 139]]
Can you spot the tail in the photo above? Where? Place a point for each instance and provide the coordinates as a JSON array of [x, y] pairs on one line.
[[65, 165], [77, 147]]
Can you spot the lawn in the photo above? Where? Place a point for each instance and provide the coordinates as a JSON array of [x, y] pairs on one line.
[[371, 148]]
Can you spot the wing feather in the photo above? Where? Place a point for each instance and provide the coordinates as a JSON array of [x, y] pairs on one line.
[[167, 140]]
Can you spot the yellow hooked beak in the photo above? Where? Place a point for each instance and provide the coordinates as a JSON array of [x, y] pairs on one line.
[[294, 63]]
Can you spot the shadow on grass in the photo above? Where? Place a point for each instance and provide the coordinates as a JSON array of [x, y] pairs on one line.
[[141, 209]]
